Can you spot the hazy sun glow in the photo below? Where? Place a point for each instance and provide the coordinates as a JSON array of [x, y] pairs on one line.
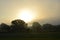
[[26, 15]]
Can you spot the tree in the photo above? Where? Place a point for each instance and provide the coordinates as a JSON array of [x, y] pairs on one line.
[[18, 25], [4, 27], [48, 28], [36, 27], [57, 29]]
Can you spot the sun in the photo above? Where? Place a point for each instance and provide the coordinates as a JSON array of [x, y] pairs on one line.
[[26, 15]]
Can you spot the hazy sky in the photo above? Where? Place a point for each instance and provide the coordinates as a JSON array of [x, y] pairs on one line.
[[48, 11]]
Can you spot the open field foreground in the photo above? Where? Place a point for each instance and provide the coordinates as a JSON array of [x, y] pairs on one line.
[[31, 36]]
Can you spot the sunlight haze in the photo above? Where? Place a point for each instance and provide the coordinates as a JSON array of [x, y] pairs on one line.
[[42, 11]]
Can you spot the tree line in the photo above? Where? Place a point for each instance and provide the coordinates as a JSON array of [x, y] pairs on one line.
[[20, 26]]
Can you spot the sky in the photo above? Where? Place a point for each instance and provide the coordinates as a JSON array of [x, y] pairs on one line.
[[47, 11]]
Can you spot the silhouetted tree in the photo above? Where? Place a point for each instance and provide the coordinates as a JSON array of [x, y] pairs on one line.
[[18, 26], [48, 28], [36, 27], [57, 29], [4, 28]]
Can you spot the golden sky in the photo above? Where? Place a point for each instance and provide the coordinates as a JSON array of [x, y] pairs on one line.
[[47, 11]]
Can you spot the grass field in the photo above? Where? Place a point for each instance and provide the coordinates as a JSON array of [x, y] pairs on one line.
[[31, 36]]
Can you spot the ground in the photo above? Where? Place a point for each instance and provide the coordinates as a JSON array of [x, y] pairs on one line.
[[31, 36]]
